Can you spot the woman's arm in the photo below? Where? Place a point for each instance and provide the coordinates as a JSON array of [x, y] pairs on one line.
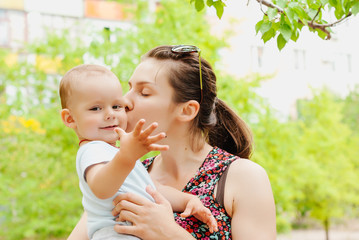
[[249, 200], [80, 231], [151, 221]]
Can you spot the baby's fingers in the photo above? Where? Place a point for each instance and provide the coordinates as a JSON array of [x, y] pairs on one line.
[[156, 138], [120, 132], [207, 217], [158, 147], [147, 132], [187, 212], [138, 128]]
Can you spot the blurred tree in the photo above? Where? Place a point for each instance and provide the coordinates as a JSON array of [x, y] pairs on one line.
[[39, 186], [326, 143], [312, 162], [351, 110]]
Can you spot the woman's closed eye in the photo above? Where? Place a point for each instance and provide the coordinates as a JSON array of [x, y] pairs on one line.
[[145, 92]]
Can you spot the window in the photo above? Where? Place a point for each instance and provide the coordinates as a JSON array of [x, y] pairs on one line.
[[4, 28]]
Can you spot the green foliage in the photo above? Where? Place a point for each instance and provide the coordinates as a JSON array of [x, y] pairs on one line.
[[285, 19], [351, 110], [217, 4], [327, 142], [39, 193], [312, 162]]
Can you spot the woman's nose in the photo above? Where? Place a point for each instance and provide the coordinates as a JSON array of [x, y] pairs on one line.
[[128, 103]]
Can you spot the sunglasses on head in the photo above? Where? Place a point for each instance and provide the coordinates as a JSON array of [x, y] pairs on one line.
[[191, 49]]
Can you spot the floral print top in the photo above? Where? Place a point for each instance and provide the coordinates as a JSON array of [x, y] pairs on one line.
[[203, 185]]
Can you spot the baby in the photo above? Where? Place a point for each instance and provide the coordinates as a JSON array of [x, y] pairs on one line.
[[92, 105]]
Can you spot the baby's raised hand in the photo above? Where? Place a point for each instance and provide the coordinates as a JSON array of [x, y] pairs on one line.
[[139, 142], [196, 208]]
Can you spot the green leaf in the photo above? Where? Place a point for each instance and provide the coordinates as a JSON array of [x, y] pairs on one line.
[[333, 3], [258, 26], [321, 34], [199, 4], [219, 8], [272, 13], [265, 27], [291, 15], [355, 8], [312, 13], [285, 31], [209, 3], [295, 36], [302, 14], [282, 3], [281, 42], [338, 13], [268, 35]]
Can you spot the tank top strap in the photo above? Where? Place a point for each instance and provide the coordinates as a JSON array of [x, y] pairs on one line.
[[211, 171]]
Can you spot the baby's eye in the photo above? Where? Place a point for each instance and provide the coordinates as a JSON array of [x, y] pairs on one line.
[[117, 107], [95, 109]]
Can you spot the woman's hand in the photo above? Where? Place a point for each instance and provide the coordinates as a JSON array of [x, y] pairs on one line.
[[149, 220]]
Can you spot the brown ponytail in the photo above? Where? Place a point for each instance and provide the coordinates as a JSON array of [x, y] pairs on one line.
[[230, 133]]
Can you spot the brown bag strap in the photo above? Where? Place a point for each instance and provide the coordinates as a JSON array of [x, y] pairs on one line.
[[221, 186]]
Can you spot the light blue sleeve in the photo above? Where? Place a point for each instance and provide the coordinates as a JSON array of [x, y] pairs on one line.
[[93, 153]]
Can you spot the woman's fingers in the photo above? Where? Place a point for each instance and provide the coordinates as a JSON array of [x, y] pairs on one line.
[[125, 229], [126, 216], [129, 201], [159, 198]]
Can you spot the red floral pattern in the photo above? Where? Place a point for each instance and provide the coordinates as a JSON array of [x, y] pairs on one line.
[[202, 185]]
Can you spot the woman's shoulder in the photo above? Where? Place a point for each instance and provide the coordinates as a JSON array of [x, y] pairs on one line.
[[247, 185], [244, 168], [246, 175]]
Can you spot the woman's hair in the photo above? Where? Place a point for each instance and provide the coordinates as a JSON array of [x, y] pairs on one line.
[[221, 126]]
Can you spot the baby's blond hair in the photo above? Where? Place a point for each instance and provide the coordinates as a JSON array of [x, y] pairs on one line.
[[69, 80]]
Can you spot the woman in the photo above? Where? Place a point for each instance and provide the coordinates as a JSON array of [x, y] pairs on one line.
[[208, 156]]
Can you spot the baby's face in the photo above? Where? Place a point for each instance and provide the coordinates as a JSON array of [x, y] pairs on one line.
[[97, 107]]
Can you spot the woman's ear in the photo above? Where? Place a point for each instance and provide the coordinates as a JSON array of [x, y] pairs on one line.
[[67, 118], [189, 111]]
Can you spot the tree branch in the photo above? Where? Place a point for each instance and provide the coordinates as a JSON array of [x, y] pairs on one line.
[[271, 5], [311, 24], [320, 8]]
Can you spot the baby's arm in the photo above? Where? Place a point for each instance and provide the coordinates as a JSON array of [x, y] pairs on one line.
[[106, 178], [188, 204]]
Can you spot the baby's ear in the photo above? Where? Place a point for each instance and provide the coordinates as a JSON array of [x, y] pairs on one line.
[[67, 118]]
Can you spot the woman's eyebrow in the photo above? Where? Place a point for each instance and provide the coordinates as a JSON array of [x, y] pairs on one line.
[[143, 83]]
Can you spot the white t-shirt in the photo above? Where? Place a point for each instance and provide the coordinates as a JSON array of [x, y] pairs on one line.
[[99, 210]]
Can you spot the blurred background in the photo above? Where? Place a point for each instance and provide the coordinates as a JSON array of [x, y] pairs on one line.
[[302, 104]]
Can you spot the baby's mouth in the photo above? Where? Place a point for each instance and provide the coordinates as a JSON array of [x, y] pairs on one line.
[[110, 127]]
